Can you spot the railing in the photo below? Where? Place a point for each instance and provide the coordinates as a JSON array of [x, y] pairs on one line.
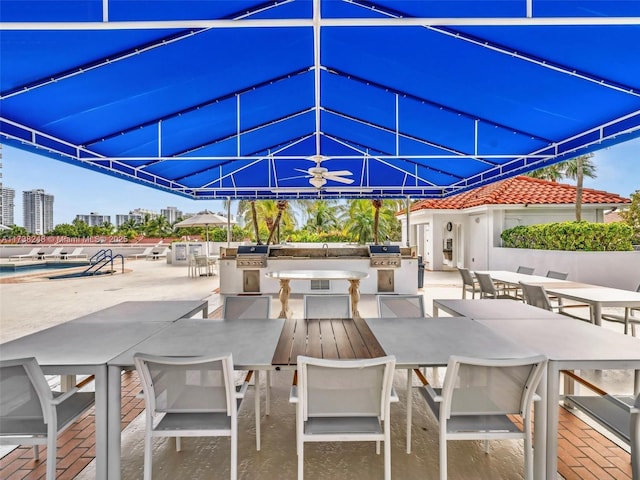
[[101, 259]]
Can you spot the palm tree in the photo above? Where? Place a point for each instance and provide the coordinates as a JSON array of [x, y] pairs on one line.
[[322, 216], [575, 169], [281, 205], [247, 210], [552, 173], [360, 220]]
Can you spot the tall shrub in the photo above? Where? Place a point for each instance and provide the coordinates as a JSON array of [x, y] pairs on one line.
[[574, 236]]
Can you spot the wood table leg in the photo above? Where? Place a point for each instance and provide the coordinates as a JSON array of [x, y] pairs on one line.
[[354, 291], [285, 291]]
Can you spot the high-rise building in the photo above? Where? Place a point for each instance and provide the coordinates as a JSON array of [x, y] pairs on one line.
[[138, 215], [7, 205], [94, 219], [121, 219], [172, 214], [143, 211], [37, 209]]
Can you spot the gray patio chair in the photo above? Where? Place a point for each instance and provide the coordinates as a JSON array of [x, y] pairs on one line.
[[557, 275], [558, 300], [189, 397], [513, 290], [246, 306], [478, 399], [629, 318], [469, 284], [525, 270], [488, 288], [401, 306], [343, 400], [31, 414], [327, 306], [239, 307], [536, 295]]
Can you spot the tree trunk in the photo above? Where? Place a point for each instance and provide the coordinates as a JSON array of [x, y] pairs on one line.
[[579, 179], [376, 220], [282, 206], [254, 219]]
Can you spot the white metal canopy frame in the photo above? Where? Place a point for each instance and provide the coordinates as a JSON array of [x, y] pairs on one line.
[[318, 98]]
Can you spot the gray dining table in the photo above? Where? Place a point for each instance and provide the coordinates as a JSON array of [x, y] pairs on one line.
[[85, 345], [569, 345], [491, 308], [429, 342], [250, 342], [76, 348], [595, 296], [567, 342], [148, 311]]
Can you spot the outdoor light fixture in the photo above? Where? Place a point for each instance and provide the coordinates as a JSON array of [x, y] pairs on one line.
[[317, 182]]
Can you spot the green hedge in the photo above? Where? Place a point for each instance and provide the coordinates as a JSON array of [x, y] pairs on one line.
[[584, 236]]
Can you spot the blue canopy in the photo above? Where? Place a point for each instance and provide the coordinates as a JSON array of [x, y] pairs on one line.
[[212, 99]]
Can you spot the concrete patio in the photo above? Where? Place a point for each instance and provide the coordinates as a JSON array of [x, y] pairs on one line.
[[36, 304]]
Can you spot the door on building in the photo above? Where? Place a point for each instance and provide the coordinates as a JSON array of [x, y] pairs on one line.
[[478, 242]]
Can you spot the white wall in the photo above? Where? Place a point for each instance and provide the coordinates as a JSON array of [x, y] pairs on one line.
[[479, 239], [611, 269], [550, 214]]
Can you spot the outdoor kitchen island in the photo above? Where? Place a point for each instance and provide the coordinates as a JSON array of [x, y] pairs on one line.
[[390, 268]]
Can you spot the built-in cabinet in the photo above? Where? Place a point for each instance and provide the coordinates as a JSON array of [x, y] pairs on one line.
[[234, 280]]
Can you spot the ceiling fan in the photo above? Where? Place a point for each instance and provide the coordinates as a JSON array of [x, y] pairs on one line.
[[318, 175]]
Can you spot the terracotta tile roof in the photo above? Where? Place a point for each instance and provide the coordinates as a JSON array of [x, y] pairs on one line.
[[520, 190]]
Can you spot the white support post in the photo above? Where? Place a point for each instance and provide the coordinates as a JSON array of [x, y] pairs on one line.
[[238, 125], [408, 201]]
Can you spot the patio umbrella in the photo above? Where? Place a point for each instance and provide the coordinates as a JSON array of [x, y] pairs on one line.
[[205, 219]]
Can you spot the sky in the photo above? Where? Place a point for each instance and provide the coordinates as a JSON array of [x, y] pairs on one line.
[[78, 190]]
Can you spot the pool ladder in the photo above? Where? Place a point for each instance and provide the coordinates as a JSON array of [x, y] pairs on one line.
[[101, 259]]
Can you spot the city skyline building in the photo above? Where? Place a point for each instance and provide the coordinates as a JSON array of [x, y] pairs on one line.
[[121, 219], [7, 206], [172, 214], [94, 219], [37, 209]]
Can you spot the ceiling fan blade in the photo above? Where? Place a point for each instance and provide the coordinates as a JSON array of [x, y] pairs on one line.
[[293, 178], [340, 179], [338, 173], [303, 171]]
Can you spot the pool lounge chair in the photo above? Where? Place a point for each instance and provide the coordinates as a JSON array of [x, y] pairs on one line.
[[157, 253], [144, 254], [76, 254], [54, 254], [33, 254]]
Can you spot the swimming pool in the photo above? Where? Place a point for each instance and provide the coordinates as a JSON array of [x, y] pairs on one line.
[[8, 270]]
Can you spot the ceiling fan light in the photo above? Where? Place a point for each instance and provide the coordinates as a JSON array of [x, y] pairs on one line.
[[317, 182]]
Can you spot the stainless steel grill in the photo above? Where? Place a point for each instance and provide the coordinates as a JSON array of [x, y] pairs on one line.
[[252, 256], [385, 256]]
